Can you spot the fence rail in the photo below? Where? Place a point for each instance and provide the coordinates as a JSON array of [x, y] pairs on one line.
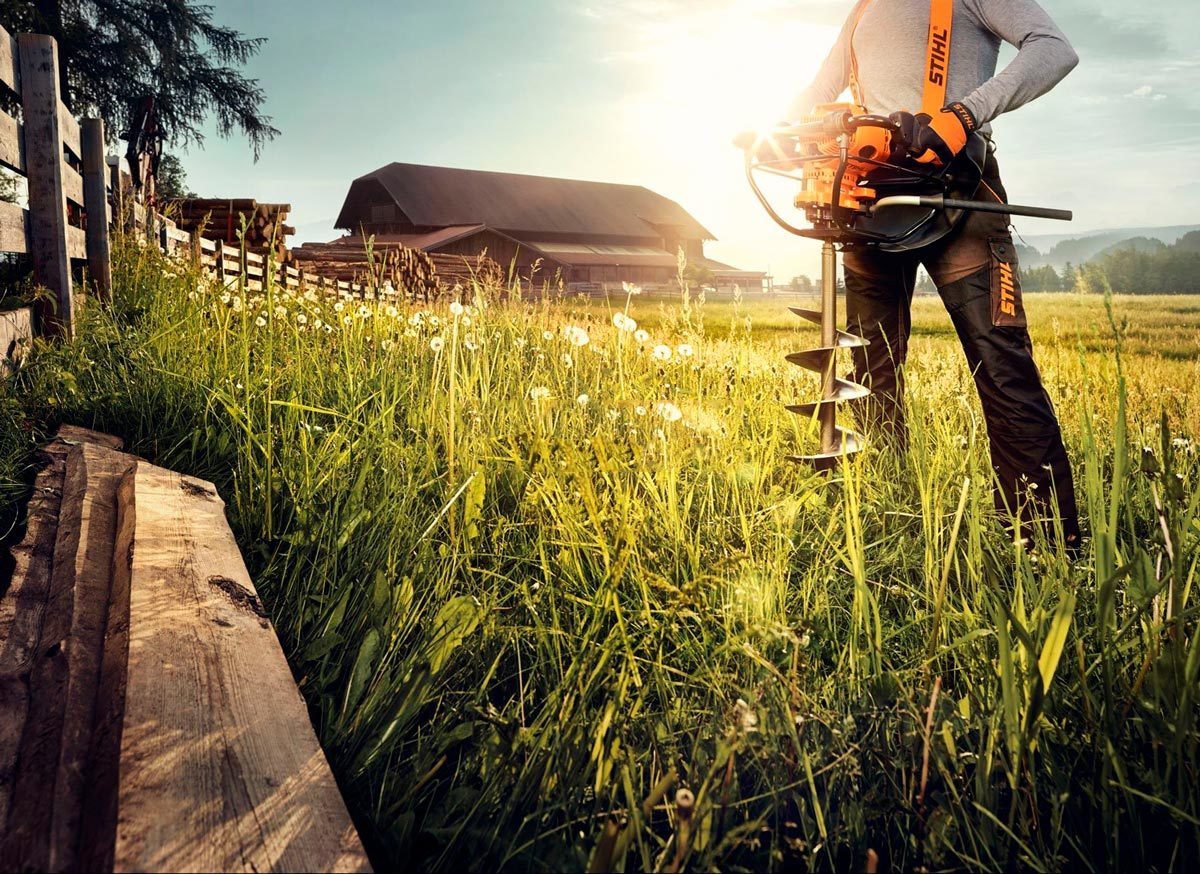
[[76, 195]]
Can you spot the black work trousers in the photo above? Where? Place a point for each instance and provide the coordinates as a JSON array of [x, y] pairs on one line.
[[976, 271]]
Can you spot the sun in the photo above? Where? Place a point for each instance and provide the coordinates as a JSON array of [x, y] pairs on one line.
[[704, 73]]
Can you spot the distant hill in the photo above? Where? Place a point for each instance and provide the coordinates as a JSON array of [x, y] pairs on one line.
[[1058, 249], [1137, 244]]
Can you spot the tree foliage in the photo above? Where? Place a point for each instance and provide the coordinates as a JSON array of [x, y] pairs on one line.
[[112, 53]]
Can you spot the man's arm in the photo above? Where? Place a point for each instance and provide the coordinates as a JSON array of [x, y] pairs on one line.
[[834, 75], [1044, 57]]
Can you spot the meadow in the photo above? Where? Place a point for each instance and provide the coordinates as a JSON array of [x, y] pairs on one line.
[[556, 602]]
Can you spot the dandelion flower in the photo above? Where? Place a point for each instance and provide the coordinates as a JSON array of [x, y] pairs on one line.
[[301, 319], [547, 335], [466, 320], [567, 360], [363, 311], [583, 400], [630, 288], [539, 393], [640, 410], [456, 309], [622, 322], [576, 336], [685, 350], [261, 322], [641, 335], [339, 306], [392, 311], [436, 344], [662, 352], [668, 411]]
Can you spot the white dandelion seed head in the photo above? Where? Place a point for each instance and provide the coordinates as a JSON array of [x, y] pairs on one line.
[[630, 288], [640, 410], [437, 344], [641, 335], [456, 309], [392, 311], [339, 306], [583, 400], [539, 393], [302, 318], [684, 350], [668, 411], [567, 360], [662, 352], [261, 322]]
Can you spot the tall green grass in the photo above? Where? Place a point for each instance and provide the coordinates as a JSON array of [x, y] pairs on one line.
[[531, 586]]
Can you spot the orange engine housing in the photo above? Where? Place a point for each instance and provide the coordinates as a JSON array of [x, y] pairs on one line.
[[866, 142]]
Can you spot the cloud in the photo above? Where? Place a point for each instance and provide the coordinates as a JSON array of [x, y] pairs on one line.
[[1144, 91]]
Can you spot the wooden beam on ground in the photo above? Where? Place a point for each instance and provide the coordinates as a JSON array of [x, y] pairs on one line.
[[219, 767], [21, 611]]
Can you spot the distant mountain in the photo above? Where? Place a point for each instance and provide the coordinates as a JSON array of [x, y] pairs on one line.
[[1058, 249]]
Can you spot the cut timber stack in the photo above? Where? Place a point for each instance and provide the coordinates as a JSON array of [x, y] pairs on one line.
[[413, 272], [148, 719], [221, 219]]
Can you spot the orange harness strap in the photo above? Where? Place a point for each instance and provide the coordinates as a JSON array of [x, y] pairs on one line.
[[937, 64]]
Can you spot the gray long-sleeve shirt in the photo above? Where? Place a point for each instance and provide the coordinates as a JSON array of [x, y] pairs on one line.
[[891, 42]]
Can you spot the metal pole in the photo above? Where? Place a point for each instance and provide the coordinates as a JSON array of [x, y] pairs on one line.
[[829, 437]]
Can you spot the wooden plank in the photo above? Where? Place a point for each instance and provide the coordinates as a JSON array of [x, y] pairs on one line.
[[95, 195], [44, 165], [88, 573], [254, 258], [21, 611], [10, 69], [14, 228], [76, 243], [72, 183], [16, 333], [12, 141], [27, 845], [207, 245], [72, 138], [220, 769]]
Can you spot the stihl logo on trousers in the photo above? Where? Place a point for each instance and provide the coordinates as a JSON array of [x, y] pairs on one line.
[[1008, 293], [939, 41]]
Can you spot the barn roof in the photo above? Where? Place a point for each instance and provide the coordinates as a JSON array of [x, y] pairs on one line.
[[515, 203]]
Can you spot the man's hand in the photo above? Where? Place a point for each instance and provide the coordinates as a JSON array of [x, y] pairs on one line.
[[938, 139]]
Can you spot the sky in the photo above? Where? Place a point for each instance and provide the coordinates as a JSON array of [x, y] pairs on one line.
[[651, 92]]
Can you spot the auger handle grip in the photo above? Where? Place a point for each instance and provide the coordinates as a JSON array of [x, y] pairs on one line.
[[940, 202]]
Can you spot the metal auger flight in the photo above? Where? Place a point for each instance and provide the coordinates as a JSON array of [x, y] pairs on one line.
[[836, 441], [856, 188]]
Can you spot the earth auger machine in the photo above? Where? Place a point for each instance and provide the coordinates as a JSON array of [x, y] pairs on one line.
[[857, 185]]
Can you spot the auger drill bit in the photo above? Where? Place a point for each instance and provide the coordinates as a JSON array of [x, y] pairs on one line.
[[836, 442]]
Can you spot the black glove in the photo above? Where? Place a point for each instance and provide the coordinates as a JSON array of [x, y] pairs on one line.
[[935, 139]]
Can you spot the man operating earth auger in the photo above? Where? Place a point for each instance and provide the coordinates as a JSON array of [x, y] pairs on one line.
[[927, 73]]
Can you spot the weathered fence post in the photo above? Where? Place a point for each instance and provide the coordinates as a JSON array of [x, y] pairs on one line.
[[95, 201], [40, 103]]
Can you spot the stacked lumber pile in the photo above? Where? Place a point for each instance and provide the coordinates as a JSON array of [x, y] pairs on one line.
[[221, 219], [148, 719], [412, 272]]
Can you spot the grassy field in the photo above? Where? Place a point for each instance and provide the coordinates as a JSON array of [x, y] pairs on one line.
[[536, 573]]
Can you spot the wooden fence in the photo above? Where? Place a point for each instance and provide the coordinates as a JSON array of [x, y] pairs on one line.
[[75, 196]]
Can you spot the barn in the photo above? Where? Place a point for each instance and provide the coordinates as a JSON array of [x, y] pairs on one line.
[[588, 235]]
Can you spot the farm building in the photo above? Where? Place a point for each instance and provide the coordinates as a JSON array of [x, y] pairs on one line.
[[584, 233]]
